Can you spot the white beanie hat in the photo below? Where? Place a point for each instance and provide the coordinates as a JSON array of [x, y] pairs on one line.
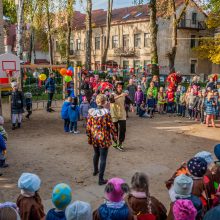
[[79, 211]]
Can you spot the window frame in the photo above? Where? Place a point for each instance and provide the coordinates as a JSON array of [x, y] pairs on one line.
[[115, 41], [99, 43], [139, 40]]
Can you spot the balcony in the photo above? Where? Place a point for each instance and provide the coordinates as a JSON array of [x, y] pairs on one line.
[[125, 52], [190, 24]]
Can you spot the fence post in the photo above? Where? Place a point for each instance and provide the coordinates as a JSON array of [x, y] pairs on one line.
[[64, 88], [76, 81]]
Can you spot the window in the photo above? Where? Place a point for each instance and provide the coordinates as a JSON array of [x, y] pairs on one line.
[[57, 45], [193, 41], [137, 64], [126, 40], [114, 41], [137, 40], [194, 18], [147, 40], [125, 64], [97, 43], [126, 16], [78, 44], [146, 62], [138, 14], [193, 66], [71, 47]]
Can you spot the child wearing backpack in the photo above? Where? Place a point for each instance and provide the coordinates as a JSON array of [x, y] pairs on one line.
[[142, 204]]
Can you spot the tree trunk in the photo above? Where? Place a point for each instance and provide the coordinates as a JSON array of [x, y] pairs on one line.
[[154, 30], [69, 29], [31, 45], [50, 42], [20, 23], [88, 34], [108, 29], [175, 23]]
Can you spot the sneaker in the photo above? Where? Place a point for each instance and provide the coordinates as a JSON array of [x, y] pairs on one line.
[[115, 145], [76, 132], [52, 110], [95, 173], [120, 147], [4, 165], [71, 131]]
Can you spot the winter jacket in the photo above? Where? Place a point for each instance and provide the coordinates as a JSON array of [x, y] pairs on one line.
[[30, 208], [201, 104], [191, 101], [161, 98], [100, 128], [84, 108], [139, 97], [3, 133], [153, 91], [64, 110], [53, 215], [170, 96], [17, 102], [50, 85], [132, 89], [138, 203], [211, 85], [106, 213], [2, 144], [209, 107], [74, 113]]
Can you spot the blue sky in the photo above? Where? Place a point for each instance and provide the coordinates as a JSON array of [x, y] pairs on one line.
[[97, 4]]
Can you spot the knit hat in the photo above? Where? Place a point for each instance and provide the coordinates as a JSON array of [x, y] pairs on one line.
[[197, 166], [1, 120], [213, 214], [114, 190], [61, 196], [14, 84], [183, 209], [217, 151], [29, 182], [79, 211], [206, 155], [183, 186]]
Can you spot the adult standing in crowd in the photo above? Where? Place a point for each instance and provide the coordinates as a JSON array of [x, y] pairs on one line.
[[50, 90], [100, 130], [86, 88], [119, 119], [132, 88]]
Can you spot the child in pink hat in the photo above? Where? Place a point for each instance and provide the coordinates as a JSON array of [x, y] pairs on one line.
[[115, 205], [184, 209]]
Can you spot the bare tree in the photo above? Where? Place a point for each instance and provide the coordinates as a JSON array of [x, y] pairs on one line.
[[108, 29], [88, 34]]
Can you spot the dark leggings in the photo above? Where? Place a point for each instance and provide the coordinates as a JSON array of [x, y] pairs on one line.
[[50, 98], [101, 153], [121, 129]]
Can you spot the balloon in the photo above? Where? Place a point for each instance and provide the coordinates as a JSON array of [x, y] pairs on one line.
[[69, 73], [42, 77], [63, 71], [36, 74], [71, 69], [67, 79]]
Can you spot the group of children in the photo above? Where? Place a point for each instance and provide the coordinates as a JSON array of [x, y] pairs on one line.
[[194, 191], [202, 105]]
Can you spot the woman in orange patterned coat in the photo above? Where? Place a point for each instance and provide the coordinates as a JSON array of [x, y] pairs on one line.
[[100, 131]]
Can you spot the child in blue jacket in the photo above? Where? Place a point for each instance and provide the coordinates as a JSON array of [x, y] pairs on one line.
[[2, 152], [74, 116], [65, 114], [151, 103]]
